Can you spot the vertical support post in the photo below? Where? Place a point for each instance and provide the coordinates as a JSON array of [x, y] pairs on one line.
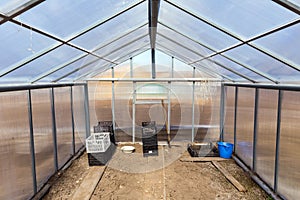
[[54, 131], [153, 63], [255, 129], [86, 111], [113, 98], [193, 108], [172, 68], [222, 112], [169, 112], [280, 94], [32, 150], [72, 118], [131, 68], [235, 116], [133, 112]]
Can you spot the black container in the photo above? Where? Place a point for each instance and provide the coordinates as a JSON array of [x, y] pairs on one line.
[[149, 139], [208, 150], [106, 126], [101, 158]]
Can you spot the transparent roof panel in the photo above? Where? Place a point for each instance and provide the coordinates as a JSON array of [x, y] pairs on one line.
[[216, 68], [296, 2], [246, 18], [9, 7], [42, 64], [18, 43], [228, 63], [68, 17], [85, 61], [171, 43], [107, 49], [133, 53], [264, 63], [285, 44], [113, 28], [181, 39], [124, 48], [173, 53], [194, 28]]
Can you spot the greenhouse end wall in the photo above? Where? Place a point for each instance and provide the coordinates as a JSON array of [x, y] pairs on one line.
[[263, 124], [27, 117]]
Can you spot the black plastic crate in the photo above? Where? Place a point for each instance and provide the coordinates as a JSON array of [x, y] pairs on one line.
[[106, 126], [150, 150], [149, 139], [101, 158], [205, 150]]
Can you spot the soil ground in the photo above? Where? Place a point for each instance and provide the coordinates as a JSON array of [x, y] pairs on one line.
[[132, 176]]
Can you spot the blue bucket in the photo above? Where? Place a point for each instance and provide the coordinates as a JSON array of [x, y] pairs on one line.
[[225, 149]]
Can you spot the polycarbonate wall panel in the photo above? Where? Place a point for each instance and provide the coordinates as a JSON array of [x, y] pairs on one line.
[[100, 95], [142, 65], [229, 114], [62, 100], [266, 134], [244, 124], [163, 65], [123, 112], [289, 153], [15, 167], [243, 18], [43, 134], [79, 116]]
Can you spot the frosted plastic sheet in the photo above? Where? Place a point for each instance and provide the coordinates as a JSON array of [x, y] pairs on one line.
[[266, 134], [79, 116], [43, 134], [63, 124], [66, 18], [245, 19], [289, 153], [15, 168], [229, 114], [244, 125]]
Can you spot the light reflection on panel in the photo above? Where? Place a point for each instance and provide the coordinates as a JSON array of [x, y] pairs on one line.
[[114, 28], [194, 28], [266, 134], [15, 167], [58, 17], [284, 43], [229, 114], [79, 116], [43, 134], [63, 124], [243, 18], [264, 63], [163, 64], [244, 125], [289, 153], [8, 7]]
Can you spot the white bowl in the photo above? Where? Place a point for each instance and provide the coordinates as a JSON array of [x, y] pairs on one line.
[[128, 149]]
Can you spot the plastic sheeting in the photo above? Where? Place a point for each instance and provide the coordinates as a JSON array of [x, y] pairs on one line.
[[229, 115], [15, 168]]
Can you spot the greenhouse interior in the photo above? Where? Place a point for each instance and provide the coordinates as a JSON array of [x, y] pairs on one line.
[[199, 71]]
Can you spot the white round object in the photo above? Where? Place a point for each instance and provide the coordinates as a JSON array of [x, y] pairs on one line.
[[128, 149]]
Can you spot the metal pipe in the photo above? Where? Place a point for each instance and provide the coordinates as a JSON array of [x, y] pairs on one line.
[[54, 131], [72, 119], [222, 112], [156, 80], [193, 107], [235, 116], [289, 87], [255, 129], [87, 112], [131, 68], [32, 149], [172, 68], [113, 98], [278, 132], [153, 63], [169, 113], [133, 112]]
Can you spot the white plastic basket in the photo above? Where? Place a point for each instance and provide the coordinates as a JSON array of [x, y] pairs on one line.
[[97, 142]]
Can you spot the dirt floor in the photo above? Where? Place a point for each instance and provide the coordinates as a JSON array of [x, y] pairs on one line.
[[132, 176]]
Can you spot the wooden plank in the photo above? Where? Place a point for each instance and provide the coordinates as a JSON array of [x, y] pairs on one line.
[[229, 177], [89, 183], [201, 159]]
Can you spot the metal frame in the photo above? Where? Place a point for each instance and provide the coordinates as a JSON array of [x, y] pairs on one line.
[[86, 109], [54, 130], [72, 120], [235, 116], [113, 99], [280, 94], [222, 107], [255, 127]]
